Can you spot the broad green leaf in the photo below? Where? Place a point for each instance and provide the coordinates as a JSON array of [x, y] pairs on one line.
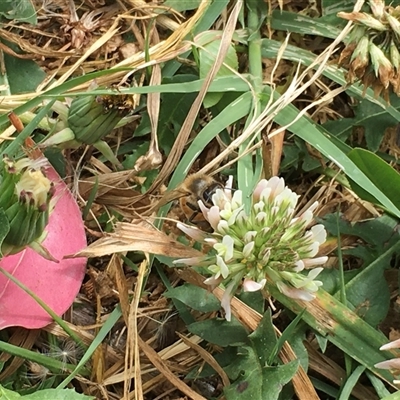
[[173, 111], [254, 379], [255, 300], [372, 117], [220, 332], [333, 7], [263, 339], [367, 293], [7, 394], [57, 394], [46, 394], [375, 232], [20, 10], [295, 22], [208, 54], [343, 328], [308, 131], [366, 289], [297, 341], [195, 297], [182, 5], [23, 75], [385, 177]]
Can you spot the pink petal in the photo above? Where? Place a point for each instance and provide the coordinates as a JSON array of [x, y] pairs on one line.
[[277, 185], [391, 345], [226, 300], [389, 364], [294, 293], [213, 217], [55, 283], [213, 282], [253, 286], [193, 232], [263, 184], [189, 261], [311, 262]]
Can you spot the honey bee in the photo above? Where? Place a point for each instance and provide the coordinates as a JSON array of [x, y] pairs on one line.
[[123, 103], [194, 188]]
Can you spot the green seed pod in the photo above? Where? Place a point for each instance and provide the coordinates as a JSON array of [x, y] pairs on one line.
[[90, 120], [25, 200]]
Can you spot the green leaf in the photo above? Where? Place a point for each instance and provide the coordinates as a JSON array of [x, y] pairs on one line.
[[255, 300], [351, 382], [46, 394], [375, 232], [231, 113], [220, 332], [4, 227], [271, 48], [23, 75], [208, 54], [308, 131], [255, 380], [182, 5], [57, 394], [333, 7], [393, 396], [7, 394], [21, 10], [372, 117], [367, 291], [343, 328], [195, 297], [294, 22], [173, 111], [263, 339], [384, 177]]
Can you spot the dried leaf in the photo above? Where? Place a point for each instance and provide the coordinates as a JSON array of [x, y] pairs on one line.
[[139, 236]]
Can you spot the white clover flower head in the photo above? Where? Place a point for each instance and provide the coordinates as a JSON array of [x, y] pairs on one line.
[[267, 246]]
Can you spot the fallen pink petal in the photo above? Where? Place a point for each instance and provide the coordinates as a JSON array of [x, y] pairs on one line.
[[57, 284]]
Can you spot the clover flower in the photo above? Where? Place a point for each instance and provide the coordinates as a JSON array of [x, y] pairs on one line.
[[268, 246], [394, 363], [25, 194]]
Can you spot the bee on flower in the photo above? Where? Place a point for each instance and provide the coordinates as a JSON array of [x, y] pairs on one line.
[[268, 246]]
